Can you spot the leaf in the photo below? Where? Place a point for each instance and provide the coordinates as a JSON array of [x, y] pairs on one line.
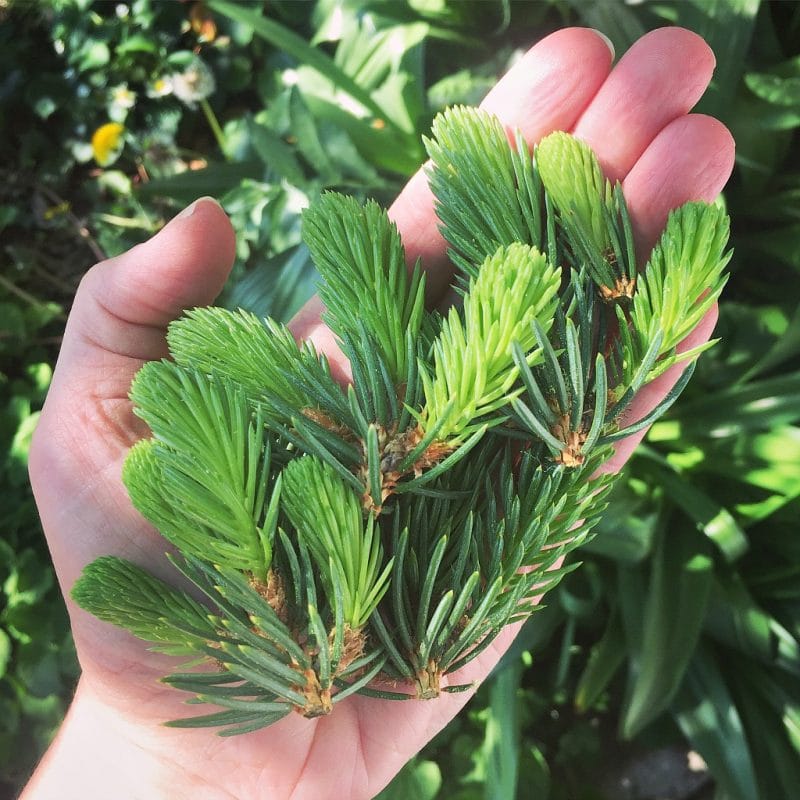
[[386, 60], [418, 779], [708, 717], [769, 710], [763, 142], [627, 530], [732, 411], [780, 692], [285, 39], [214, 180], [277, 287], [714, 520], [735, 620], [95, 54], [786, 346], [501, 742], [774, 89], [5, 652], [768, 461], [135, 43], [463, 87], [305, 128], [779, 242], [728, 26], [354, 148], [673, 616], [276, 154], [780, 86], [615, 19], [605, 659], [750, 336], [27, 583]]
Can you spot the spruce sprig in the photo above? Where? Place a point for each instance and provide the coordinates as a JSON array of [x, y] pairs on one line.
[[261, 356], [596, 225], [683, 278], [391, 528], [458, 578], [203, 479], [487, 193], [366, 285], [474, 373], [328, 518], [117, 591]]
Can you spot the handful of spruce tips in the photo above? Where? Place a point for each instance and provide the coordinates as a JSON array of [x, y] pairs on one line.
[[375, 537]]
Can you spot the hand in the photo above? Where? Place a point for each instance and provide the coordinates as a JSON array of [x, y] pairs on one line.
[[636, 119]]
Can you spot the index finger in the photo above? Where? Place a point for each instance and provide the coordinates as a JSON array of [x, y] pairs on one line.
[[546, 90]]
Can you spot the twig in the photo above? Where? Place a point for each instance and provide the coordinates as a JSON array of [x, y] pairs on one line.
[[26, 296], [82, 230]]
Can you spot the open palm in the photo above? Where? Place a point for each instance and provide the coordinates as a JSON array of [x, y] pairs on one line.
[[636, 119]]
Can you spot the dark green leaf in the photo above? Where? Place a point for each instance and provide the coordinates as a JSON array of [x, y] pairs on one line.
[[708, 717], [673, 615]]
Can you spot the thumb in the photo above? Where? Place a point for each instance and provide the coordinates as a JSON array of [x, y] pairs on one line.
[[117, 322], [123, 305]]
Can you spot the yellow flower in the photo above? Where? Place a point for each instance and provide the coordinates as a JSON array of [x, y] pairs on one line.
[[107, 143]]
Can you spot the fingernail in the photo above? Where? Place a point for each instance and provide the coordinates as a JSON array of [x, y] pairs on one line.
[[608, 42], [190, 209]]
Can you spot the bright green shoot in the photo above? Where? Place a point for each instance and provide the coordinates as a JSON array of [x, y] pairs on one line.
[[683, 278], [119, 592], [474, 371], [358, 252], [573, 179], [203, 479], [328, 518]]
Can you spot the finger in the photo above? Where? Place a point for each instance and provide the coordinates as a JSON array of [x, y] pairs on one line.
[[546, 90], [123, 305], [690, 159], [660, 78], [118, 321]]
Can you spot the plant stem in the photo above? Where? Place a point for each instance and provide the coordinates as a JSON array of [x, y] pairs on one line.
[[213, 123]]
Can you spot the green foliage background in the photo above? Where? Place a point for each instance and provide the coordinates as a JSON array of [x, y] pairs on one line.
[[682, 628]]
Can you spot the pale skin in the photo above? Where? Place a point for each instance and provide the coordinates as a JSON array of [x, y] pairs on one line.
[[636, 118]]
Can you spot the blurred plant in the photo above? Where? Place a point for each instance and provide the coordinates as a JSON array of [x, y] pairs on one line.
[[37, 663]]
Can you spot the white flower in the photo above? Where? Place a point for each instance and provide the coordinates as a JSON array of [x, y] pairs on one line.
[[160, 87], [195, 83], [123, 97]]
